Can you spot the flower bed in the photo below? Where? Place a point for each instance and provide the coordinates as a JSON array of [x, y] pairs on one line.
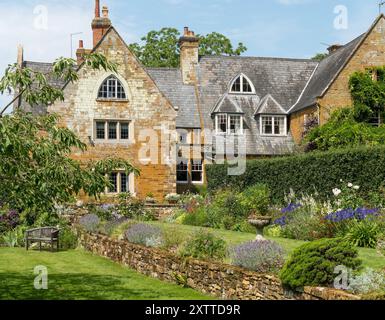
[[217, 279]]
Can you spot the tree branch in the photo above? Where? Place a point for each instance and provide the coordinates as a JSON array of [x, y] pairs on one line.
[[11, 103]]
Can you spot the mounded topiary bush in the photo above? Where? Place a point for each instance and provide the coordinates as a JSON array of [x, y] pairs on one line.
[[314, 263]]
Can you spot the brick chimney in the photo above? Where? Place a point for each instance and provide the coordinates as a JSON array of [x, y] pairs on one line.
[[20, 56], [189, 56], [100, 25], [333, 48], [80, 52]]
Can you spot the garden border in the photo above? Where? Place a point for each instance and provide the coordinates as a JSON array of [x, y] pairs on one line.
[[215, 279]]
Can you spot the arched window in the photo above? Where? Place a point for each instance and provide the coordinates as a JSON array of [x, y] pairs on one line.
[[111, 89], [242, 84]]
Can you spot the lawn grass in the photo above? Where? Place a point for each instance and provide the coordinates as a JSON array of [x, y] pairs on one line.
[[78, 275], [370, 257]]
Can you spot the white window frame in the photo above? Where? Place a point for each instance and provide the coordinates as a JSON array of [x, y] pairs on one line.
[[130, 183], [228, 124], [243, 78], [200, 171], [118, 131], [116, 82], [273, 134]]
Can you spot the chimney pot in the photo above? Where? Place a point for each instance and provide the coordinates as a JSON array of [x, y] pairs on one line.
[[81, 44], [97, 8], [20, 55], [334, 48], [186, 31], [105, 12]]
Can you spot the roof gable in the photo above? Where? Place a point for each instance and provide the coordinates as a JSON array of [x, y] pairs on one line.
[[269, 105], [328, 71]]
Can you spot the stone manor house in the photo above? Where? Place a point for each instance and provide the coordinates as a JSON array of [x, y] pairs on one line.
[[263, 102]]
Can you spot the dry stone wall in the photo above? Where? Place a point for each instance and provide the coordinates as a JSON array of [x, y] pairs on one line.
[[219, 280]]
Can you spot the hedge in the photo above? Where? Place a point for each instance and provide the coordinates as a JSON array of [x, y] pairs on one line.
[[307, 173]]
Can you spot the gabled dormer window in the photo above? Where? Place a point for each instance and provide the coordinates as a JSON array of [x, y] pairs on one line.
[[273, 125], [229, 124], [242, 84], [112, 88]]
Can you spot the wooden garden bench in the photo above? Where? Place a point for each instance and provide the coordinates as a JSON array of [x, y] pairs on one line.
[[43, 235]]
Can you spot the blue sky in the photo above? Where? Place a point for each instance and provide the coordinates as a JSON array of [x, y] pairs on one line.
[[278, 28]]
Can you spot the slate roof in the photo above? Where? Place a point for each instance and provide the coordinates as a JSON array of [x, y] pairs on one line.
[[325, 73], [45, 68], [183, 97], [282, 86], [282, 79]]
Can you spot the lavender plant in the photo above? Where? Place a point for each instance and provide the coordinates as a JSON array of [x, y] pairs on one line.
[[260, 256], [89, 222], [145, 234]]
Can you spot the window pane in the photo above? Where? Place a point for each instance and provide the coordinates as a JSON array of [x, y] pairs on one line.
[[237, 85], [124, 131], [112, 89], [114, 182], [235, 124], [246, 86], [197, 170], [279, 125], [182, 171], [267, 125], [222, 123], [123, 182], [112, 130], [100, 130]]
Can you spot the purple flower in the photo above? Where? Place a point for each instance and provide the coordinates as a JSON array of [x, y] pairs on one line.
[[261, 256], [141, 233], [90, 222], [350, 214], [281, 221], [291, 207]]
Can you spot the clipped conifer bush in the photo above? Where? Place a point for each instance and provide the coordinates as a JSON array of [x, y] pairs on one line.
[[314, 263]]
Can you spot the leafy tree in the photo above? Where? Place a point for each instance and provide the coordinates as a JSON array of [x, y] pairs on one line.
[[36, 170], [350, 126], [342, 131], [161, 49], [320, 56]]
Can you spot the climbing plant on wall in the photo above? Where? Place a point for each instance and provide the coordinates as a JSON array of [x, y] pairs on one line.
[[353, 126], [368, 93]]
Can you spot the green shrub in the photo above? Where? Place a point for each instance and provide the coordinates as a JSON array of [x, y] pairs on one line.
[[68, 239], [104, 212], [318, 172], [364, 234], [173, 237], [305, 224], [314, 263], [204, 245], [198, 218], [256, 199], [273, 231], [244, 226]]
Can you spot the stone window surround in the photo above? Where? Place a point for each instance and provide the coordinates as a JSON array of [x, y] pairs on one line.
[[273, 117], [128, 141], [130, 184]]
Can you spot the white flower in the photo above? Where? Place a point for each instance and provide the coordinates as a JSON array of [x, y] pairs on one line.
[[356, 187], [337, 192], [350, 185]]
